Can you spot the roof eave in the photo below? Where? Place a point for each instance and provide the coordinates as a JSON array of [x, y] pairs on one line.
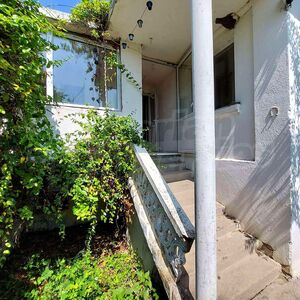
[[112, 7]]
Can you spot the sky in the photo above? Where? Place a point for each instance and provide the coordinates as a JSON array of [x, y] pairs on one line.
[[62, 5]]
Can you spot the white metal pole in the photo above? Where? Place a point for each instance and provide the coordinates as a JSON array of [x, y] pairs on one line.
[[205, 177]]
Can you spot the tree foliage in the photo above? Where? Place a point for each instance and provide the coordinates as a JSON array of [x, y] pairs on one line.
[[26, 136], [99, 165], [93, 14]]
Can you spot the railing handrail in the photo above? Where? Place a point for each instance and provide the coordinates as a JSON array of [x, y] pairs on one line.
[[180, 221]]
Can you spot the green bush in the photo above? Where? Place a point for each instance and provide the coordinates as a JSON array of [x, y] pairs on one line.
[[102, 159], [114, 276]]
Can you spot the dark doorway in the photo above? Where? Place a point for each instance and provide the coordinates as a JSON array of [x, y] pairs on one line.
[[149, 118]]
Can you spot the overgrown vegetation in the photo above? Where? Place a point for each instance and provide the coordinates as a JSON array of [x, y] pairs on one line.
[[114, 276], [40, 174], [41, 270], [93, 14], [27, 143], [99, 166]]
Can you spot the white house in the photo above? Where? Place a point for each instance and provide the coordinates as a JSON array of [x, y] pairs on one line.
[[257, 100]]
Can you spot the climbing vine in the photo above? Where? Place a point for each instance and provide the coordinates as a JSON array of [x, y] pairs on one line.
[[93, 14]]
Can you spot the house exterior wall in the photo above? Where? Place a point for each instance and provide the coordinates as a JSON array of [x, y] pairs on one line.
[[132, 100], [257, 193], [235, 132], [131, 96]]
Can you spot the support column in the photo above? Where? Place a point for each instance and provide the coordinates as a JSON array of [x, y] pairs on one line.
[[205, 186]]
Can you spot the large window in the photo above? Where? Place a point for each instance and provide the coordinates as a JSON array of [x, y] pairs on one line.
[[83, 78], [224, 81], [224, 78]]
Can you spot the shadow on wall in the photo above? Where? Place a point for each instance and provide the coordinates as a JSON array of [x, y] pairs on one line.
[[294, 32], [263, 204], [278, 39]]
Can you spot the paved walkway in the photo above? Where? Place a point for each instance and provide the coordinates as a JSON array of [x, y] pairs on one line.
[[242, 273]]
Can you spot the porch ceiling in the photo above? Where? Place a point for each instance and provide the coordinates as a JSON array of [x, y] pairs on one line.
[[166, 32]]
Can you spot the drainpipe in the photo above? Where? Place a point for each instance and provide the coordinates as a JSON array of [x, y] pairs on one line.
[[205, 175]]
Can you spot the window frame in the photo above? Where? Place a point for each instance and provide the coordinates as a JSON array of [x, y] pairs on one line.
[[50, 75], [217, 56], [234, 103]]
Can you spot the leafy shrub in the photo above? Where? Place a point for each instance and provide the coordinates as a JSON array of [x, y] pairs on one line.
[[115, 276], [102, 159]]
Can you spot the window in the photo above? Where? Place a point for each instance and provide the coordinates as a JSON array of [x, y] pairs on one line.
[[83, 78], [224, 78], [185, 87], [224, 81]]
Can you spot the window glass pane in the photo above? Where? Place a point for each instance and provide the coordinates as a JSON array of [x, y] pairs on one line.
[[185, 87], [80, 79], [224, 78]]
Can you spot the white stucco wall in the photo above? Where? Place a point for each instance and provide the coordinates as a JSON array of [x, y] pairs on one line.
[[131, 96], [132, 100], [258, 193], [235, 132], [167, 113]]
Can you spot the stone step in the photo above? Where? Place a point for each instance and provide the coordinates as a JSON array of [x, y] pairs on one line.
[[173, 176], [225, 226], [172, 166], [281, 289], [247, 277], [232, 247]]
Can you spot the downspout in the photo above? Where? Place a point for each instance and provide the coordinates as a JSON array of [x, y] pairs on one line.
[[205, 186]]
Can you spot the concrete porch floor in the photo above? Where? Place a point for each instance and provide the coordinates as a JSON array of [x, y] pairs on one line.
[[243, 273]]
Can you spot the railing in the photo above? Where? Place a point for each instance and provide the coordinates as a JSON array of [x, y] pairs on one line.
[[168, 230]]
